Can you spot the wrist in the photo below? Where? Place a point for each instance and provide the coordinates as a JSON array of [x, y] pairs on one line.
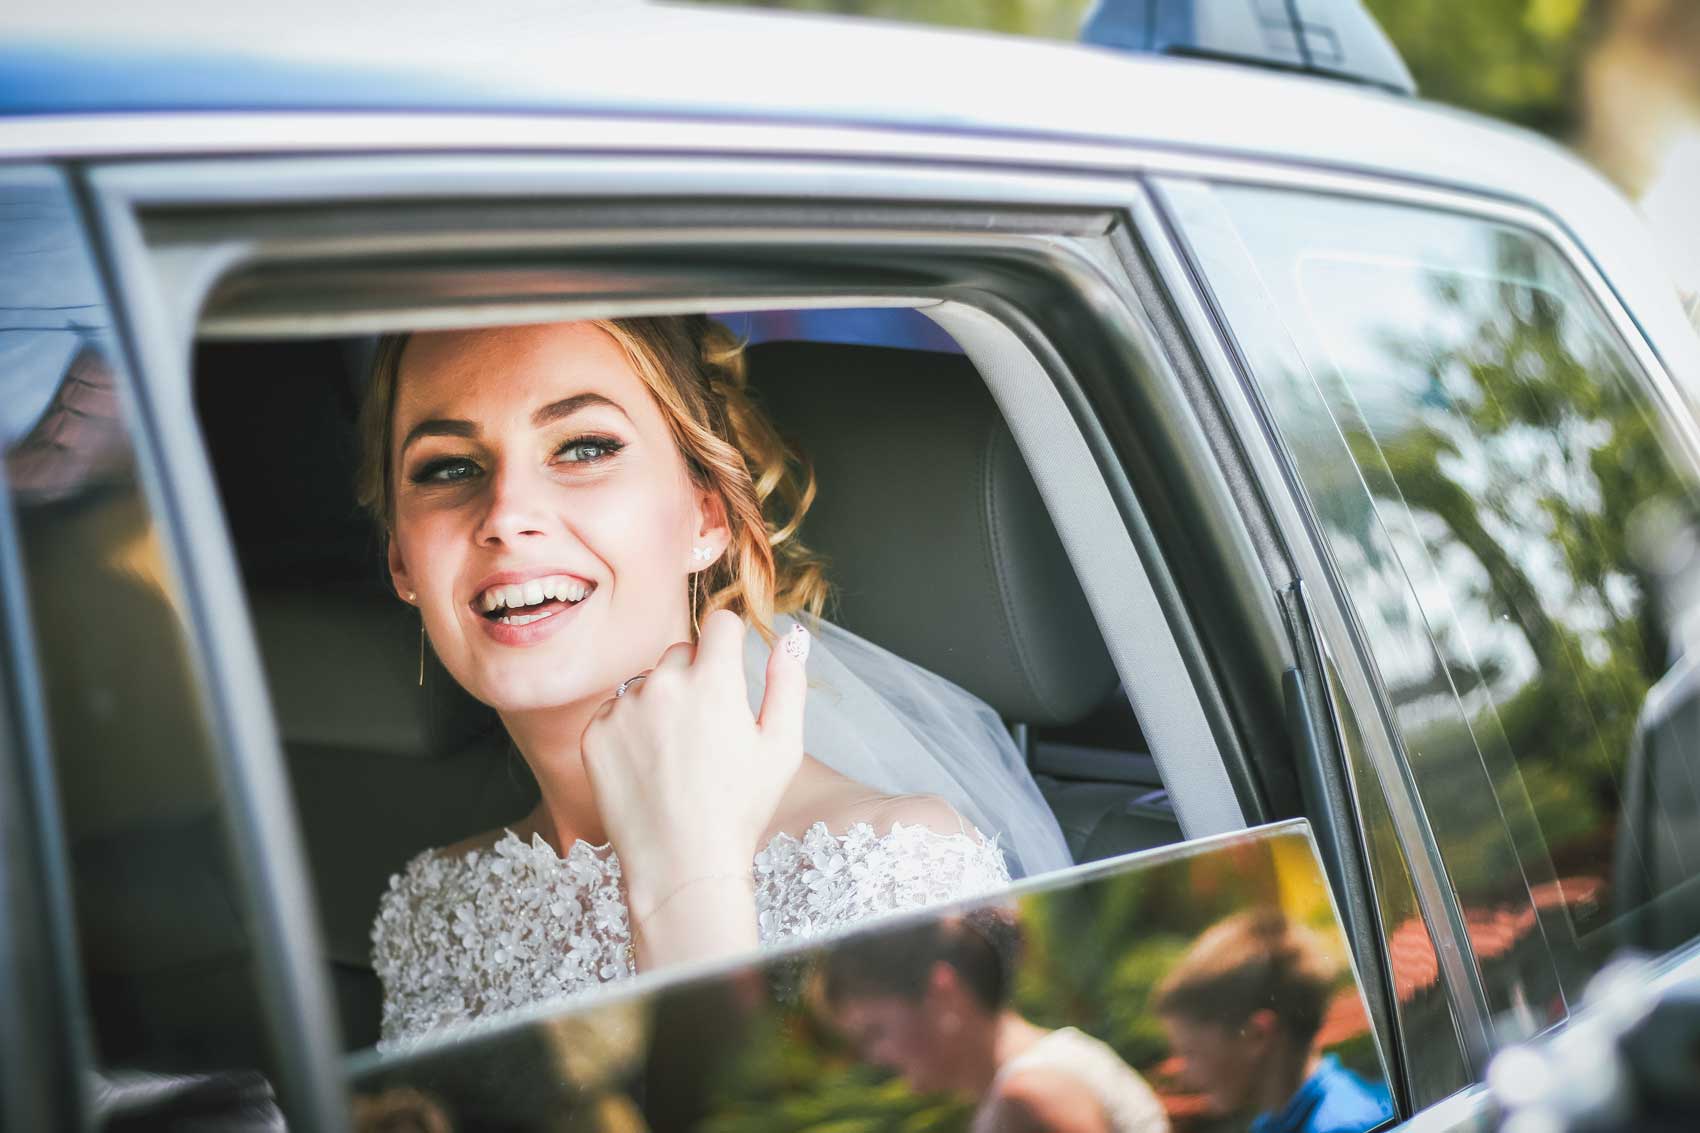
[[644, 906], [650, 878]]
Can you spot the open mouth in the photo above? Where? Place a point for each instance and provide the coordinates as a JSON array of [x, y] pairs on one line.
[[521, 603]]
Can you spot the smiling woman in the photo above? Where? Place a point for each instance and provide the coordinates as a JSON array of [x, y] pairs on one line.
[[550, 496]]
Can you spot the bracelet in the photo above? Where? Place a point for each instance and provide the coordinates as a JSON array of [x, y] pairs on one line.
[[637, 921]]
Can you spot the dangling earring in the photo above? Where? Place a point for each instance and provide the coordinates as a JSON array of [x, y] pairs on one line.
[[696, 630], [413, 596]]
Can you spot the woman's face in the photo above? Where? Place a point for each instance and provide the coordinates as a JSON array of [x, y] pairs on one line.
[[901, 1036], [544, 516]]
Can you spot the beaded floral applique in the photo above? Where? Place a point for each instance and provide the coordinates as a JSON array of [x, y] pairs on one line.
[[468, 937]]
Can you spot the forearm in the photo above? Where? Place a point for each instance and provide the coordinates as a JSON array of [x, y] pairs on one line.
[[706, 917]]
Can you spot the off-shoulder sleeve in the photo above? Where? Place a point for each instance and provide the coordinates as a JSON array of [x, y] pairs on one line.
[[824, 883], [408, 938]]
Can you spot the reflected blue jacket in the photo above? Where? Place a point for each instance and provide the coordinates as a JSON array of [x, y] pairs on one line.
[[1332, 1100]]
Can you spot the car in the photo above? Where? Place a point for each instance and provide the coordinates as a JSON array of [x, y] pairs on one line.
[[1289, 462]]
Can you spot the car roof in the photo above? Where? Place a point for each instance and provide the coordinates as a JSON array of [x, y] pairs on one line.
[[402, 75], [624, 56]]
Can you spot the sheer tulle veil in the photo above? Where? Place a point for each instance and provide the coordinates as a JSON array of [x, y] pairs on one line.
[[900, 729]]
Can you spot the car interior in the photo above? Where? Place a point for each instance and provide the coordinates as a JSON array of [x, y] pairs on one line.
[[940, 549]]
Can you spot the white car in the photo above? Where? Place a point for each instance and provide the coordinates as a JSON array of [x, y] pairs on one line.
[[1293, 450]]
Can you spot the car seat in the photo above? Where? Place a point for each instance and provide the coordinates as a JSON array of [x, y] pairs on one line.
[[941, 549]]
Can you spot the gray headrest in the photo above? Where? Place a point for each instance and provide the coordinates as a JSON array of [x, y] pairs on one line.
[[940, 547], [344, 673]]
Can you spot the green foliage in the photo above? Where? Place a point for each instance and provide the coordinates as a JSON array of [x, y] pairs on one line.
[[1050, 19], [1519, 60]]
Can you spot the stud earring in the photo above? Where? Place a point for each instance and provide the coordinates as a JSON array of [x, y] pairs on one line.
[[701, 554]]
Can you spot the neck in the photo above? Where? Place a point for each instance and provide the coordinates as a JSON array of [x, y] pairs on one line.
[[1010, 1036], [549, 739], [1285, 1072]]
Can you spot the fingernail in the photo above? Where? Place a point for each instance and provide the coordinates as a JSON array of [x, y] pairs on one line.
[[796, 642]]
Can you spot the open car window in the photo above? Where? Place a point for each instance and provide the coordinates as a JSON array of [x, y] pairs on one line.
[[1200, 986], [938, 549], [975, 524]]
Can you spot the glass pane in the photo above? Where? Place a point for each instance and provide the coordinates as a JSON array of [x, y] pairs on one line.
[[1434, 1058], [166, 960], [1514, 530], [1188, 988]]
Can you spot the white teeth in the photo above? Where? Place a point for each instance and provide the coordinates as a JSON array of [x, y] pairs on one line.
[[525, 619], [530, 593]]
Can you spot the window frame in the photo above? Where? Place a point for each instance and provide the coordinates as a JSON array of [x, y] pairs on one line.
[[126, 192], [1339, 637], [163, 295]]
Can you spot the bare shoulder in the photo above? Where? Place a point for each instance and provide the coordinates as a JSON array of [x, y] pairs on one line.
[[821, 794], [929, 811], [1041, 1097], [479, 842]]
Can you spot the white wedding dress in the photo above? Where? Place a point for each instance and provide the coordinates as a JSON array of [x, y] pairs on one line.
[[467, 938]]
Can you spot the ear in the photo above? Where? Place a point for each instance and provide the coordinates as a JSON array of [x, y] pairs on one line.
[[713, 530], [1261, 1027], [404, 588], [944, 986]]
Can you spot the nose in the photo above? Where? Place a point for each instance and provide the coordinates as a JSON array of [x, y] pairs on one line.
[[514, 508]]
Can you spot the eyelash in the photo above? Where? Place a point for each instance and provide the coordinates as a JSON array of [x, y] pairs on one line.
[[431, 472]]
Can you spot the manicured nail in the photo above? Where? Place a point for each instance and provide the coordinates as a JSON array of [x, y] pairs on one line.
[[796, 642]]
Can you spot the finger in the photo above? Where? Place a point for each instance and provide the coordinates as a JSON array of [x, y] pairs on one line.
[[787, 687], [680, 655], [720, 648]]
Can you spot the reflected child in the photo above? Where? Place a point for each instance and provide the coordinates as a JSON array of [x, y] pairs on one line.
[[1243, 1009]]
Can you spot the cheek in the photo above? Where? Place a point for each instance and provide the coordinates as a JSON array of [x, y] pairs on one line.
[[641, 532], [426, 540]]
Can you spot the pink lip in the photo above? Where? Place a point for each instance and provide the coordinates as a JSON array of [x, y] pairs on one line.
[[532, 632]]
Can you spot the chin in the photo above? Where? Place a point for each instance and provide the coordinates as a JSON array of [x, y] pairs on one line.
[[532, 685]]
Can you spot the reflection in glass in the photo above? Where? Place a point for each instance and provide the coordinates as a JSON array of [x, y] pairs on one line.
[[932, 1002], [1059, 1003], [1242, 1009], [1508, 516], [166, 954]]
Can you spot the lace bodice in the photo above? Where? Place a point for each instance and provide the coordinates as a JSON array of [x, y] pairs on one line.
[[464, 938]]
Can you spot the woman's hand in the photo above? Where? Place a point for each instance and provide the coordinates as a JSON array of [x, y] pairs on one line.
[[686, 779]]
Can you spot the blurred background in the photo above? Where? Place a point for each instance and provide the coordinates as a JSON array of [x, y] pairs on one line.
[[1617, 81]]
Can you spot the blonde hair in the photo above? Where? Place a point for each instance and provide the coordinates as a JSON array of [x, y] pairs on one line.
[[694, 368]]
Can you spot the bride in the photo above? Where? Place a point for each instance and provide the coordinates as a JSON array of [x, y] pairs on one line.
[[590, 518]]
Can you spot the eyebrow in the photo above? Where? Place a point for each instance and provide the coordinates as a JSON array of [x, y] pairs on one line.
[[567, 406], [546, 415]]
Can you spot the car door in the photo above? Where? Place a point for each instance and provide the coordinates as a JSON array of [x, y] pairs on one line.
[[1490, 467], [1029, 273]]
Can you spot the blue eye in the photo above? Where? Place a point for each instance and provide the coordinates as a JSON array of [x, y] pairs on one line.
[[449, 470], [588, 450]]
